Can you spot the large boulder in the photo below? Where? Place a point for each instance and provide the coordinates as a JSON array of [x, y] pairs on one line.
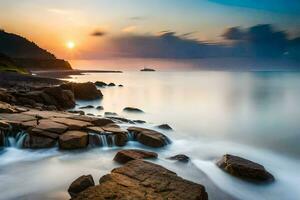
[[125, 156], [86, 91], [149, 137], [121, 139], [244, 168], [141, 180], [64, 98], [80, 184], [37, 142], [73, 140]]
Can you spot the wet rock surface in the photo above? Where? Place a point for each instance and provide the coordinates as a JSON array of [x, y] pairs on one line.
[[125, 156], [143, 180], [80, 184], [86, 91], [132, 109], [165, 127], [180, 157], [73, 140], [244, 168]]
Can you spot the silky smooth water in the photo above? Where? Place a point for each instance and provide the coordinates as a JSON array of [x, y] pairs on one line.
[[251, 114]]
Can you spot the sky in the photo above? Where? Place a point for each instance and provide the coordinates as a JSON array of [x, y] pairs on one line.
[[74, 28]]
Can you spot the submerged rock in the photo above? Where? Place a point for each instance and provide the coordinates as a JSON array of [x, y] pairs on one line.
[[85, 107], [125, 156], [80, 184], [180, 158], [99, 108], [165, 127], [73, 140], [244, 168], [111, 85], [110, 114], [149, 137], [132, 109], [141, 180]]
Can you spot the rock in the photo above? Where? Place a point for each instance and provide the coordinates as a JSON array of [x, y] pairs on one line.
[[5, 97], [147, 70], [4, 125], [99, 108], [96, 121], [86, 91], [90, 114], [95, 129], [94, 140], [43, 133], [63, 98], [125, 156], [100, 84], [139, 121], [73, 140], [47, 125], [2, 139], [131, 109], [149, 137], [165, 127], [80, 184], [80, 112], [37, 142], [139, 179], [111, 85], [72, 123], [180, 158], [6, 108], [244, 168], [46, 114], [17, 117], [121, 139], [85, 107], [121, 119], [110, 114], [121, 85], [26, 101]]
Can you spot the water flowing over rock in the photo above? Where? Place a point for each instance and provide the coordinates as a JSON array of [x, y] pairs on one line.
[[141, 180], [149, 137], [125, 156], [73, 140], [244, 168], [80, 184]]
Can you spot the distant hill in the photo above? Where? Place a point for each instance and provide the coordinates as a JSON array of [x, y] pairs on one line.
[[29, 55], [9, 65]]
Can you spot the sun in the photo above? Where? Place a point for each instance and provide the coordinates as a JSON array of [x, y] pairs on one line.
[[70, 45]]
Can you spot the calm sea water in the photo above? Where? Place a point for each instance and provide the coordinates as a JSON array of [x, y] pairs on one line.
[[251, 114]]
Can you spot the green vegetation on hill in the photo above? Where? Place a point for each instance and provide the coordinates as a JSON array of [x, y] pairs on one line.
[[8, 65]]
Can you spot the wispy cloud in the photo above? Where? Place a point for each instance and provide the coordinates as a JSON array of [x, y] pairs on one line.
[[129, 29], [137, 18], [59, 11]]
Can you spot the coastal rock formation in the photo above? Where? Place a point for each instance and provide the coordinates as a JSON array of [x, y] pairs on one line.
[[125, 156], [244, 168], [165, 127], [141, 180], [180, 158], [86, 91], [132, 109], [73, 140], [111, 85], [100, 84], [37, 142], [80, 184], [85, 107], [149, 137]]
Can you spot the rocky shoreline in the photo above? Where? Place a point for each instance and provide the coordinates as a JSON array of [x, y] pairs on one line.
[[33, 111]]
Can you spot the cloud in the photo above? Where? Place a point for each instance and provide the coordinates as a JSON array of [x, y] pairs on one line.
[[137, 18], [233, 33], [129, 29], [59, 11], [98, 33]]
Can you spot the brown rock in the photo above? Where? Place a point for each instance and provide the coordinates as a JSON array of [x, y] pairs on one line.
[[95, 129], [73, 140], [37, 142], [47, 125], [96, 121], [72, 123], [86, 91], [140, 180], [125, 156], [244, 168], [165, 127], [6, 108], [17, 117], [180, 158], [43, 133], [64, 98], [121, 139], [80, 184]]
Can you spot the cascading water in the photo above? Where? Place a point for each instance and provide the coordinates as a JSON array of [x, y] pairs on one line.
[[15, 140], [101, 140]]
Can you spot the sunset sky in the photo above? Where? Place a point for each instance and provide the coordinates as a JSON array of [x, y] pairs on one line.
[[71, 28]]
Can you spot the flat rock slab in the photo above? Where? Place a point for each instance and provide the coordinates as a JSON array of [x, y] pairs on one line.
[[43, 133], [94, 120], [95, 129], [47, 125], [244, 168], [125, 156], [72, 123], [17, 117], [140, 180], [73, 140], [149, 137], [46, 114]]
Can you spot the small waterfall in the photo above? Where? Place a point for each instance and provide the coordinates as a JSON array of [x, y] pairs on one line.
[[20, 138], [101, 140], [131, 136], [15, 140], [104, 141]]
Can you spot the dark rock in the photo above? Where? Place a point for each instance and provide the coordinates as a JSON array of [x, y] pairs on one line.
[[73, 140], [81, 184], [77, 112], [131, 109], [37, 142], [2, 139], [111, 85], [149, 137], [85, 107], [121, 85], [96, 121], [6, 97], [90, 114], [100, 84], [86, 91], [139, 121], [6, 108], [244, 168], [165, 127], [64, 98], [94, 140], [121, 139], [147, 70], [72, 124], [110, 114], [139, 179], [26, 101], [125, 156], [42, 133], [180, 157], [99, 108]]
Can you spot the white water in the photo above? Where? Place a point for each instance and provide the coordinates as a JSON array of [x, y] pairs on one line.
[[254, 115]]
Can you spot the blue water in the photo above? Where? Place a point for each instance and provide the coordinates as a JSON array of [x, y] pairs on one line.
[[250, 114]]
